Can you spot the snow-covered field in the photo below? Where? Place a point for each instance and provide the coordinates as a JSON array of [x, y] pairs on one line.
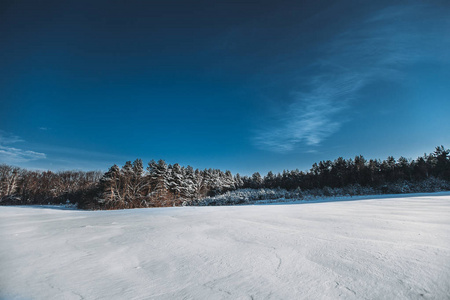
[[396, 248]]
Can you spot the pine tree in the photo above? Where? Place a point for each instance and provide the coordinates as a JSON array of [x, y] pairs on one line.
[[239, 183], [256, 180], [189, 184], [228, 182], [200, 185], [175, 182], [442, 162], [159, 180], [269, 180], [126, 176], [138, 185], [110, 188]]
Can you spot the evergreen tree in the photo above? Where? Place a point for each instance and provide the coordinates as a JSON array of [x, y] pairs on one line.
[[228, 182], [159, 175], [239, 183], [138, 185], [442, 162], [110, 188], [257, 180], [269, 180], [175, 180], [189, 184]]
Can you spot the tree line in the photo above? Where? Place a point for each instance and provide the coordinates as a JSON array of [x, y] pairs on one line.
[[162, 184]]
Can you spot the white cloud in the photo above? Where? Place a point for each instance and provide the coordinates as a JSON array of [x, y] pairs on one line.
[[11, 155], [377, 48], [14, 155], [8, 138]]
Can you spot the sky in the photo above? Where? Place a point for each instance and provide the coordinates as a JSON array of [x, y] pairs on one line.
[[243, 86]]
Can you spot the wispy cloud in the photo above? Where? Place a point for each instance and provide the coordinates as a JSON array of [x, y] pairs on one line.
[[15, 155], [12, 155], [379, 47], [8, 138]]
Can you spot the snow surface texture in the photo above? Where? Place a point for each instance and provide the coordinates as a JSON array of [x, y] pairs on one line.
[[396, 248]]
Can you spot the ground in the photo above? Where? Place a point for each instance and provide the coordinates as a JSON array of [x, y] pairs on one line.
[[392, 248]]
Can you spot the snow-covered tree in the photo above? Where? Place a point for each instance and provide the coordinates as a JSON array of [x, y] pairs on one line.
[[256, 180], [159, 179], [228, 182], [110, 188], [175, 181], [189, 186]]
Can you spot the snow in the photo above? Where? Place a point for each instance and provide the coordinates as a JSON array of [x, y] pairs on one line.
[[386, 248]]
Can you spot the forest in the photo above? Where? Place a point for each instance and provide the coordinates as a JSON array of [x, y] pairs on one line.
[[160, 184]]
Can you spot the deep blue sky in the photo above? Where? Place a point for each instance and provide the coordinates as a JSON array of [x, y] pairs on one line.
[[245, 86]]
